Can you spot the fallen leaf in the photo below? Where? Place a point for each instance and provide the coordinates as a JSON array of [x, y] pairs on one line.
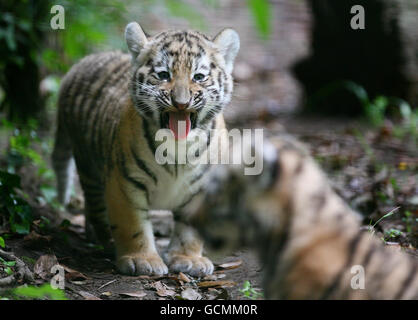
[[156, 277], [183, 277], [88, 296], [211, 277], [223, 295], [212, 293], [163, 290], [33, 236], [73, 275], [35, 240], [215, 284], [413, 200], [230, 265], [191, 294], [138, 294], [43, 265], [106, 294], [217, 294]]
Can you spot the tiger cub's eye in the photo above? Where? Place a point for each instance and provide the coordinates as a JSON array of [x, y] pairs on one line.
[[163, 75], [199, 77]]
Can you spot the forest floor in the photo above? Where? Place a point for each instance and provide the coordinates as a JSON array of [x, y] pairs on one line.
[[370, 168]]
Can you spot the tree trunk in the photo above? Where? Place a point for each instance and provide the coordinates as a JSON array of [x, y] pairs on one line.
[[23, 22], [382, 57]]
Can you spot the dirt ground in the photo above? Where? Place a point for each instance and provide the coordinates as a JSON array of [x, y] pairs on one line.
[[91, 274]]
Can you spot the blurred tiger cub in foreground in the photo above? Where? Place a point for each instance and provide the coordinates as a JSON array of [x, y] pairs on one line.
[[111, 106], [308, 239]]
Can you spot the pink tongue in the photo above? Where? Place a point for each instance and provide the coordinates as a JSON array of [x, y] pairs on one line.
[[179, 123]]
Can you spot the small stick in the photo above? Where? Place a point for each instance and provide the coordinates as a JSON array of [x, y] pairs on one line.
[[106, 284]]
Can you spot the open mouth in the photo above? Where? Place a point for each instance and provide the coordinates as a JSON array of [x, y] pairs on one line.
[[180, 123]]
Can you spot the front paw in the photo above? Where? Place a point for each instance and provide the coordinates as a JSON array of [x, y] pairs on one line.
[[141, 264], [194, 265]]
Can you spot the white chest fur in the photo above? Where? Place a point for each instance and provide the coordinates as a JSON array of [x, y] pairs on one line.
[[172, 190]]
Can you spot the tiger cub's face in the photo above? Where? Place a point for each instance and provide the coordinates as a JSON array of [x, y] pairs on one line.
[[220, 213], [234, 208], [181, 79]]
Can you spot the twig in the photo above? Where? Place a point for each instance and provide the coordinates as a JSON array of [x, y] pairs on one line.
[[106, 284], [22, 271], [7, 281]]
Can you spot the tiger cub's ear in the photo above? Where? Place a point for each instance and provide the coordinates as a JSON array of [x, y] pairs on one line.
[[266, 161], [228, 44], [135, 38]]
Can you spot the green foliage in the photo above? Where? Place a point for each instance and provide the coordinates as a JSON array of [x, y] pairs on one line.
[[364, 144], [8, 271], [20, 29], [65, 224], [374, 110], [22, 25], [2, 243], [410, 122], [394, 184], [249, 292], [6, 266], [21, 142], [23, 151], [90, 25], [178, 8], [409, 220], [11, 204], [392, 234], [390, 213], [28, 260], [51, 85], [45, 223], [7, 263], [262, 12], [43, 292]]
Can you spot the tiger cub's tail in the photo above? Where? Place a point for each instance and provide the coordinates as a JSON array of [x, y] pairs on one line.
[[63, 163]]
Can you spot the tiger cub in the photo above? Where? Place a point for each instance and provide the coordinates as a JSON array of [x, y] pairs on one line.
[[111, 107], [306, 236]]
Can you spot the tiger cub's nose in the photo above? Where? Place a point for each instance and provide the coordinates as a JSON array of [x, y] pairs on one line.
[[181, 97], [180, 105]]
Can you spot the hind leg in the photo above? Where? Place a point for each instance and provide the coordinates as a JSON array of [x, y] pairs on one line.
[[97, 225]]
